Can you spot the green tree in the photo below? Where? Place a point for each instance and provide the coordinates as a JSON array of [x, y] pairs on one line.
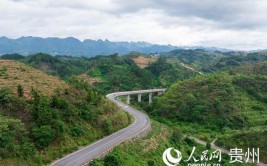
[[11, 133], [150, 163], [107, 124], [208, 145], [6, 95], [112, 161], [20, 90], [42, 135]]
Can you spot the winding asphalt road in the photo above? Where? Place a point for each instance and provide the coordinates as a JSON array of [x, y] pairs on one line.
[[95, 150]]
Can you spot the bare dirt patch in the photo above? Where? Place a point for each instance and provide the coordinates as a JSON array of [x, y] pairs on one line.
[[143, 62]]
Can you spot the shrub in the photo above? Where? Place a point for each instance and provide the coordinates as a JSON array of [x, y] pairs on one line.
[[107, 126], [112, 161], [177, 134], [20, 90], [208, 145], [76, 131], [42, 135]]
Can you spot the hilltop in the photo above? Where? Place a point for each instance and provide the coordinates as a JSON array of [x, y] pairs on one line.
[[13, 73]]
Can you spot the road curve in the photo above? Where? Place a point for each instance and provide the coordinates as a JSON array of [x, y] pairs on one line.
[[95, 150]]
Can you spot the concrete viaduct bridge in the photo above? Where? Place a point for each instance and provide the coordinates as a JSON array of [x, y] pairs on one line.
[[139, 93]]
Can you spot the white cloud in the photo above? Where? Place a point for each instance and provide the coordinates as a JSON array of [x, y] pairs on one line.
[[231, 24]]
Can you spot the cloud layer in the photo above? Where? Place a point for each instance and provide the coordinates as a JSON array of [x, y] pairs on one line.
[[236, 24]]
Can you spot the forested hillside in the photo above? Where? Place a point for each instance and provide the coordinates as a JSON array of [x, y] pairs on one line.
[[209, 61], [232, 60], [63, 67], [122, 73], [220, 104], [198, 57], [39, 125], [110, 73], [218, 101]]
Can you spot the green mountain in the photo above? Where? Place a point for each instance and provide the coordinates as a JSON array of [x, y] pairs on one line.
[[237, 60], [74, 47], [212, 61], [224, 105], [123, 73], [198, 57], [217, 101]]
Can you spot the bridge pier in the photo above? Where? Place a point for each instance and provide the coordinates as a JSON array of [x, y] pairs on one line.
[[139, 97], [128, 99], [150, 98]]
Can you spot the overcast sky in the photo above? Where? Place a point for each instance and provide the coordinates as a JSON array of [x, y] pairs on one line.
[[235, 24]]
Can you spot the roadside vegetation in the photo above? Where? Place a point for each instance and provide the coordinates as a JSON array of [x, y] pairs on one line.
[[148, 151]]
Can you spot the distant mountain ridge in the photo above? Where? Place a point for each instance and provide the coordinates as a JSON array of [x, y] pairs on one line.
[[74, 47]]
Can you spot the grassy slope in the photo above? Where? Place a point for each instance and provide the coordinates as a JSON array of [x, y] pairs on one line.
[[13, 73], [63, 67]]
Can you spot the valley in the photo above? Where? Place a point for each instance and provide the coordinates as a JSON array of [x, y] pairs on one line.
[[226, 102], [133, 83]]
